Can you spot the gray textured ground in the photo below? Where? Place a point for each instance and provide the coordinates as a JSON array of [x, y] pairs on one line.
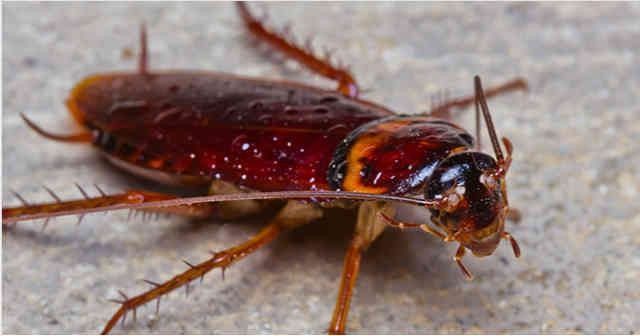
[[576, 174]]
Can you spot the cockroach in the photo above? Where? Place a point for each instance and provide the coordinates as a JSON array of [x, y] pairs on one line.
[[251, 140]]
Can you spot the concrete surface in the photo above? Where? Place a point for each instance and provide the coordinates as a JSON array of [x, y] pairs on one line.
[[576, 173]]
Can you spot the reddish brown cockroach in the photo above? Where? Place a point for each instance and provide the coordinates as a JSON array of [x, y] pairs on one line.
[[250, 140]]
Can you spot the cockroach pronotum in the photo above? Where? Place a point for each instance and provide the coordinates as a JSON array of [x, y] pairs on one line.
[[252, 140]]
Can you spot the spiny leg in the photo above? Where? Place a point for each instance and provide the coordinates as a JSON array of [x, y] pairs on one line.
[[346, 83], [292, 215], [218, 260], [30, 211], [370, 225]]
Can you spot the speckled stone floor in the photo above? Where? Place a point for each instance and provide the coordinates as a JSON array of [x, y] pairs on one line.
[[575, 177]]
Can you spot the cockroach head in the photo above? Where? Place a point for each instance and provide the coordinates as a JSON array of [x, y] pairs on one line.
[[469, 191]]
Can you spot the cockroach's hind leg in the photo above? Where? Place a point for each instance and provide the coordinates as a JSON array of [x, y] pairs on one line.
[[85, 137], [371, 223], [292, 215], [441, 108], [195, 271], [322, 66], [83, 206]]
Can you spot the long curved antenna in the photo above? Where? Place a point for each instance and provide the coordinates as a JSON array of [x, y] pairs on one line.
[[86, 137], [482, 100], [143, 60], [478, 125], [144, 200]]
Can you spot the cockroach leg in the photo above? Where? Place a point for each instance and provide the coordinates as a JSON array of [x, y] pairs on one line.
[[292, 215], [55, 197], [80, 218], [102, 193], [428, 229], [44, 225], [347, 284], [514, 243], [219, 260], [424, 227], [84, 193], [371, 223], [442, 110], [398, 224], [34, 211], [458, 258], [505, 163], [346, 82], [85, 137], [22, 199]]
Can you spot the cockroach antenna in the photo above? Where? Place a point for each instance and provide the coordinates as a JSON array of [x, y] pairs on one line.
[[143, 60], [482, 100], [341, 151]]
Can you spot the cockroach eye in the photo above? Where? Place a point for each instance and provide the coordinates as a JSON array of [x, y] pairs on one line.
[[488, 180], [453, 200], [254, 140]]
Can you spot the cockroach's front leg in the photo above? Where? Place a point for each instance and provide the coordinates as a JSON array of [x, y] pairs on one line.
[[292, 215], [346, 83], [370, 225]]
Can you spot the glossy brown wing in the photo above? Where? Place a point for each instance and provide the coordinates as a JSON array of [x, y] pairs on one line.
[[263, 135]]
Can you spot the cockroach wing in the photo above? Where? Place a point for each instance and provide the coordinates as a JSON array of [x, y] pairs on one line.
[[262, 135]]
